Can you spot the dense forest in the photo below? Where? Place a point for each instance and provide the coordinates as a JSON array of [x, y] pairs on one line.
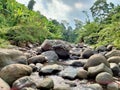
[[20, 25]]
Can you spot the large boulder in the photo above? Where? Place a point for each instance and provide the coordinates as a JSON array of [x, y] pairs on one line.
[[37, 59], [113, 53], [62, 51], [114, 59], [93, 71], [113, 86], [104, 78], [12, 72], [23, 82], [11, 56], [51, 56], [87, 53], [95, 60], [4, 85]]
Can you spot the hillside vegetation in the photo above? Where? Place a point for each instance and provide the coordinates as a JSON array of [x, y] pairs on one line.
[[20, 24]]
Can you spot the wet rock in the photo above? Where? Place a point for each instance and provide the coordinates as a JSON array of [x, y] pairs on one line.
[[69, 73], [4, 85], [12, 72], [51, 56], [95, 60], [23, 82], [51, 69], [114, 59], [61, 51], [113, 53], [37, 59], [113, 86], [87, 53], [11, 56], [115, 69], [82, 74], [93, 71], [104, 78], [46, 84]]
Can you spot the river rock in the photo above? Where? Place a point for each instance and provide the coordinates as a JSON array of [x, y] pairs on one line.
[[109, 47], [75, 51], [50, 69], [59, 83], [46, 84], [23, 82], [87, 53], [113, 86], [76, 63], [37, 59], [12, 72], [46, 45], [101, 49], [115, 69], [95, 86], [113, 53], [61, 51], [11, 56], [4, 85], [93, 71], [114, 59], [51, 56], [82, 74], [28, 88], [69, 73], [104, 78], [95, 60]]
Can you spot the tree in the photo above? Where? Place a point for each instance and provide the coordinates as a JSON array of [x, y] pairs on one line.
[[101, 9], [31, 4]]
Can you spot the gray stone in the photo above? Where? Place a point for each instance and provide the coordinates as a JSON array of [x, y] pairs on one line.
[[49, 69], [114, 59], [95, 86], [51, 56], [104, 78], [113, 53], [69, 73], [82, 74], [11, 56], [37, 59], [12, 72], [75, 51], [4, 85], [61, 51], [46, 84], [113, 86], [95, 60], [115, 69], [59, 83], [87, 53], [93, 71], [23, 82]]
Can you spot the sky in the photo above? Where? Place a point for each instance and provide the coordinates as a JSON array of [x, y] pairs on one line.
[[65, 9]]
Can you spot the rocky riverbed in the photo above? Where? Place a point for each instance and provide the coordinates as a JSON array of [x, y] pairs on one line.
[[59, 65]]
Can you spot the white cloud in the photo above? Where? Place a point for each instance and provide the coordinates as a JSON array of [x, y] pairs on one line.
[[78, 5], [55, 10]]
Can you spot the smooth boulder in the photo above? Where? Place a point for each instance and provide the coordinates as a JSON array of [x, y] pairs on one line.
[[11, 56], [4, 85], [112, 53], [104, 78], [12, 72], [87, 53], [95, 60], [114, 59]]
